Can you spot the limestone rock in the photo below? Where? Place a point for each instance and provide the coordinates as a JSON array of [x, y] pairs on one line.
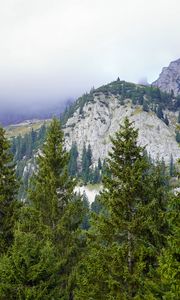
[[169, 79], [102, 118]]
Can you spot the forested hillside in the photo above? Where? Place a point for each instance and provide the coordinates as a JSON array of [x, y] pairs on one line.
[[53, 246], [82, 164]]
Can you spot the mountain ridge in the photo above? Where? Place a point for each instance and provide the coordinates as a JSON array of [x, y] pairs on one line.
[[169, 78]]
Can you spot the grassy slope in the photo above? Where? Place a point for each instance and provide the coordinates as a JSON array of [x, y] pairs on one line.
[[23, 128]]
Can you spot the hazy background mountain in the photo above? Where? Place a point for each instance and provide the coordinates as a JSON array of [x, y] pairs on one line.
[[13, 113], [55, 50]]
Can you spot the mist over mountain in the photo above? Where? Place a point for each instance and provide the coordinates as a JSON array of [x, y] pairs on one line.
[[13, 113]]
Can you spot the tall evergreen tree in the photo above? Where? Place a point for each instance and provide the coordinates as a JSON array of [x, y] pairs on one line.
[[169, 260], [168, 279], [8, 193], [166, 120], [179, 118], [86, 163], [47, 246], [145, 106], [72, 166], [130, 231], [159, 112], [171, 167]]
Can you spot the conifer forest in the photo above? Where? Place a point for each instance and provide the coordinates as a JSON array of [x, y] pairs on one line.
[[56, 245]]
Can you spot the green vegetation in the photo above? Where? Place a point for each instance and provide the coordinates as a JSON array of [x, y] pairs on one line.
[[8, 192], [25, 145], [53, 247], [47, 242], [150, 97], [131, 229], [24, 128]]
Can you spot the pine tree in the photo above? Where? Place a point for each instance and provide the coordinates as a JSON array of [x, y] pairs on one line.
[[130, 230], [169, 260], [8, 193], [166, 121], [86, 163], [171, 167], [99, 164], [159, 112], [178, 136], [85, 223], [30, 269], [145, 106], [96, 206], [72, 166], [179, 118], [168, 282], [96, 176], [50, 223]]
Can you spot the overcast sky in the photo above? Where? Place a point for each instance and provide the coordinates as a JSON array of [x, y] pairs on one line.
[[56, 49]]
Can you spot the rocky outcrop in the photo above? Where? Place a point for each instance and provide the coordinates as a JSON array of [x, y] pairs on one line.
[[101, 118], [169, 79]]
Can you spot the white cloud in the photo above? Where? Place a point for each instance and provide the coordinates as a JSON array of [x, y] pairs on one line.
[[54, 48]]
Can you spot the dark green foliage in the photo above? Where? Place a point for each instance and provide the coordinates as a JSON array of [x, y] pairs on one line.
[[171, 167], [178, 136], [131, 229], [159, 112], [85, 223], [145, 106], [179, 118], [166, 121], [8, 194], [96, 176], [86, 163], [169, 260], [96, 206], [42, 261], [23, 148], [72, 166], [31, 271], [99, 164]]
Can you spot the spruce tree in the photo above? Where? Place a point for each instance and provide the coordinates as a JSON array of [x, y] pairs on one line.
[[52, 195], [42, 261], [168, 279], [72, 166], [178, 117], [166, 121], [159, 112], [129, 232], [8, 194], [169, 260], [171, 167], [52, 187], [145, 106], [86, 163]]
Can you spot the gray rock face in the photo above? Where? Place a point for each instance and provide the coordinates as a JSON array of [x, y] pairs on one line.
[[102, 117], [169, 79]]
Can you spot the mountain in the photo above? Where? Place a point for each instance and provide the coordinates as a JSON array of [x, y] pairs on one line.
[[24, 127], [15, 113], [169, 79], [93, 122], [89, 122]]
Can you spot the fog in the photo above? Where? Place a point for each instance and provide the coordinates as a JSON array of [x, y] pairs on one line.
[[53, 50]]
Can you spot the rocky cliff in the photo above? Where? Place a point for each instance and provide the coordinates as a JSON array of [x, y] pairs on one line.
[[101, 117], [169, 79]]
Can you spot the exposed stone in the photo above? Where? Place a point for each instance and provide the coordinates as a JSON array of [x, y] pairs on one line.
[[169, 79], [102, 119]]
